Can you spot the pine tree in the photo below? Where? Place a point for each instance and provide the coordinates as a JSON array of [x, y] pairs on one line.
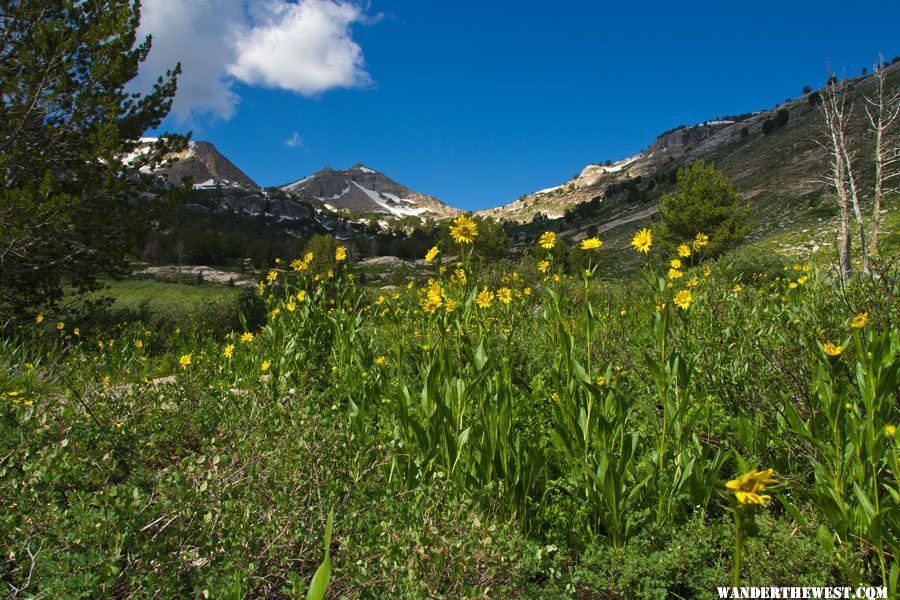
[[704, 201], [70, 208]]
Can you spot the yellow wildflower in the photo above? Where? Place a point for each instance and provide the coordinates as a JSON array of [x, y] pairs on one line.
[[432, 254], [890, 431], [184, 361], [291, 306], [451, 306], [700, 240], [272, 276], [860, 321], [601, 380], [299, 265], [832, 349], [301, 295], [60, 325], [246, 338], [748, 486], [684, 251], [544, 266], [381, 361], [39, 318], [642, 240], [261, 288], [340, 253], [139, 344], [430, 303], [435, 289], [675, 263], [484, 298], [504, 295], [683, 299], [591, 243], [265, 366], [463, 230], [675, 273], [229, 351], [548, 240], [737, 287]]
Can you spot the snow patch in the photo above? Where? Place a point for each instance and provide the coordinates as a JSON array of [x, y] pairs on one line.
[[397, 199], [293, 186], [547, 190], [139, 151], [399, 211], [344, 192], [206, 185]]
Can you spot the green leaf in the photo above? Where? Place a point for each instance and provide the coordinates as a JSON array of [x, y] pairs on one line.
[[319, 584], [826, 541]]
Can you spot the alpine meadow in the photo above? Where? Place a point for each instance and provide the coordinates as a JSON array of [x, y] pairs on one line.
[[674, 375]]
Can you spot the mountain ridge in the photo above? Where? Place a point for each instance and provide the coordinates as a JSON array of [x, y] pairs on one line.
[[361, 189]]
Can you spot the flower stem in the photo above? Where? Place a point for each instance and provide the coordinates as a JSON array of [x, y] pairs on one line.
[[738, 544]]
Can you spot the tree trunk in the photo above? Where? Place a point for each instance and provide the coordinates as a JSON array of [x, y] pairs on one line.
[[883, 111], [833, 113]]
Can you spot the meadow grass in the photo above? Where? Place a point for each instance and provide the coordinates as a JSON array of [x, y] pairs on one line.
[[493, 431], [173, 302]]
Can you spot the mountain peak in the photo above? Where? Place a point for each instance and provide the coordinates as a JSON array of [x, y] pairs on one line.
[[360, 189], [208, 167]]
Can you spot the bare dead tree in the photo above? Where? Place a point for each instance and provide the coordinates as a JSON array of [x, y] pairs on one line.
[[883, 112], [835, 114], [180, 252]]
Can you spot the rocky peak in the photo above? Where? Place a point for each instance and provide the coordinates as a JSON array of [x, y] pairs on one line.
[[361, 189]]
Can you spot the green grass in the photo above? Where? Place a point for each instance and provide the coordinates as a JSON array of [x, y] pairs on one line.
[[166, 301], [451, 447]]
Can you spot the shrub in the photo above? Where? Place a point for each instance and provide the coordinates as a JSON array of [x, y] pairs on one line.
[[704, 201]]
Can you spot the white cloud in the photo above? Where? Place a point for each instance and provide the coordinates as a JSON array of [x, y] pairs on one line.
[[295, 141], [304, 47], [200, 34]]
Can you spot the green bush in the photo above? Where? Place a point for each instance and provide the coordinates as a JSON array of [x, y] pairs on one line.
[[704, 201], [745, 265]]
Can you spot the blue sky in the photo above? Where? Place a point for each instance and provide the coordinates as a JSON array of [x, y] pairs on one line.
[[478, 103]]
